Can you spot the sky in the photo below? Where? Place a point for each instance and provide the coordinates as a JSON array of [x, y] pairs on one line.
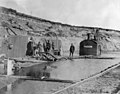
[[93, 13]]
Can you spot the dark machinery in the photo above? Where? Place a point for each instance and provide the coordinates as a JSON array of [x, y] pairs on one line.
[[89, 46]]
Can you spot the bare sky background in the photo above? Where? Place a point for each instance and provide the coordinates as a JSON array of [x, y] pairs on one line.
[[98, 13]]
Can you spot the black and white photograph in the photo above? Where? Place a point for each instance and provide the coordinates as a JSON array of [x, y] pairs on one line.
[[59, 46]]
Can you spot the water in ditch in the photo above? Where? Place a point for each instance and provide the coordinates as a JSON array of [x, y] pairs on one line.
[[65, 70]]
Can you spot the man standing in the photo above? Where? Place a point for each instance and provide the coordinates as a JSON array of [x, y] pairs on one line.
[[38, 48], [48, 46], [72, 49], [30, 49]]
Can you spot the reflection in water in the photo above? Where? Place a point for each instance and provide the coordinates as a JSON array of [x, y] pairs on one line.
[[68, 70], [18, 87], [3, 90], [80, 68], [9, 88], [34, 87], [36, 71]]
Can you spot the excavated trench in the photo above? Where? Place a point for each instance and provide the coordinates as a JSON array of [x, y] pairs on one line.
[[58, 75]]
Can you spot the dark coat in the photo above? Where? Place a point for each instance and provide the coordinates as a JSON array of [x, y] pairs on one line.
[[30, 49], [72, 48]]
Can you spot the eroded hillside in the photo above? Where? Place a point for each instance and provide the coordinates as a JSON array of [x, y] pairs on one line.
[[15, 23]]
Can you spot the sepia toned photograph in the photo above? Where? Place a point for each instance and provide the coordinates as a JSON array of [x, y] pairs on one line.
[[59, 46]]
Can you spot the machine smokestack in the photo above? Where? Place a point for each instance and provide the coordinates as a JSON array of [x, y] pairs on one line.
[[88, 36]]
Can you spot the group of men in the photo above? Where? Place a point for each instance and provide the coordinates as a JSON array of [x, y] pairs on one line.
[[47, 46], [32, 49]]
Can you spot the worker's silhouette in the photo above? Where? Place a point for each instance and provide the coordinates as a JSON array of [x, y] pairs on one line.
[[72, 49], [30, 49]]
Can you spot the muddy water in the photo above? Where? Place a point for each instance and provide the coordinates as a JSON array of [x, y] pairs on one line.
[[76, 69], [32, 87], [80, 68], [65, 70]]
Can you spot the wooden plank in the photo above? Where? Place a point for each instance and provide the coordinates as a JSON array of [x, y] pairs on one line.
[[39, 79], [26, 60]]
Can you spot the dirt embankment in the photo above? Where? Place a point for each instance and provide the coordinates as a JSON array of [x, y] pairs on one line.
[[13, 22]]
